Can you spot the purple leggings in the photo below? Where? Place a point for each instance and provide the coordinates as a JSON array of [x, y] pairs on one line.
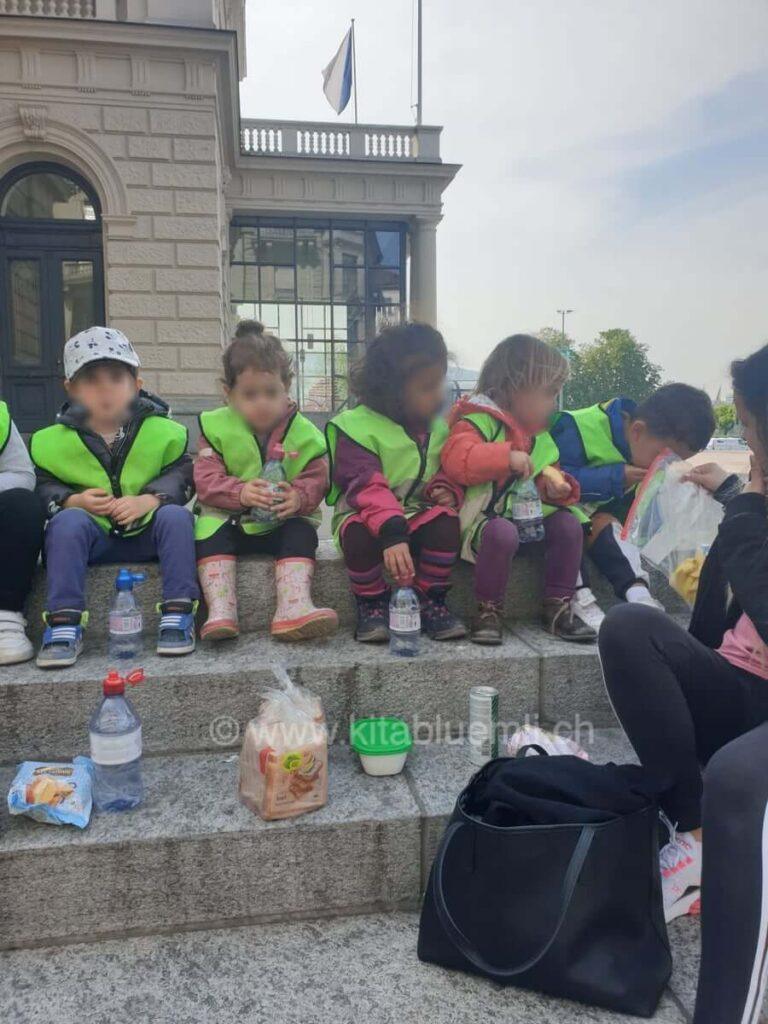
[[499, 544]]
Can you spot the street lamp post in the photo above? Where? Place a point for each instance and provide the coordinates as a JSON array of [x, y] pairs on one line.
[[563, 314]]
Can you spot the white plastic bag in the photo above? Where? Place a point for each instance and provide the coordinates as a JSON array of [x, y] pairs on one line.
[[549, 741], [674, 523], [284, 759]]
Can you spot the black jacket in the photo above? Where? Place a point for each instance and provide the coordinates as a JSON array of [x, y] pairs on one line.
[[734, 579], [174, 486]]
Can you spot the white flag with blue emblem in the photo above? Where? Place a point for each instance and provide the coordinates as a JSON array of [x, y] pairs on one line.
[[337, 77]]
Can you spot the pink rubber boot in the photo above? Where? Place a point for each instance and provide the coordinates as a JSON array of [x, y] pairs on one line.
[[296, 617], [218, 577]]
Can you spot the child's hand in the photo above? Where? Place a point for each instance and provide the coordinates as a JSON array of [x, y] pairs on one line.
[[520, 464], [440, 495], [399, 563], [633, 475], [288, 503], [94, 500], [127, 510], [709, 476], [555, 489], [257, 494]]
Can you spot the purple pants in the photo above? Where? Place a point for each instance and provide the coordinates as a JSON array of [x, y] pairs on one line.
[[500, 541], [73, 541]]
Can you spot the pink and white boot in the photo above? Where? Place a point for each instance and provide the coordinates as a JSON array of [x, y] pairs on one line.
[[218, 578], [296, 617]]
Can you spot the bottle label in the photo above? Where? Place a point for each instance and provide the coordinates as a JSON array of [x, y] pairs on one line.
[[404, 622], [124, 625], [524, 510], [113, 750]]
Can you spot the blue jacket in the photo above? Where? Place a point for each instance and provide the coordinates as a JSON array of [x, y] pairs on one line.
[[598, 483]]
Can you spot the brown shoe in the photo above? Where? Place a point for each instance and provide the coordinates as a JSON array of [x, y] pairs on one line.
[[485, 627], [561, 622]]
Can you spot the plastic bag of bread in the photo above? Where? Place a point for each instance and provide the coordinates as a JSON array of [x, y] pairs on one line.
[[284, 758], [59, 794], [674, 522]]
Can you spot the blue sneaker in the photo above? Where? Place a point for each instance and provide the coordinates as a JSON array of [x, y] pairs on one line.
[[62, 639], [176, 634]]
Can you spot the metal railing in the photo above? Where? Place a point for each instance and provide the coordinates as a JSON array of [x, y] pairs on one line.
[[329, 141]]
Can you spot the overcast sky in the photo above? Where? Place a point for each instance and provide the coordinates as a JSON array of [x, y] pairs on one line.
[[615, 158]]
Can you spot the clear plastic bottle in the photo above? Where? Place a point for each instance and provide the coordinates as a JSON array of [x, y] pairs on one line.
[[115, 735], [126, 623], [404, 623], [273, 471], [527, 513]]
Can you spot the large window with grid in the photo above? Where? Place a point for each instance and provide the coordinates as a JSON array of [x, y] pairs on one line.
[[324, 287]]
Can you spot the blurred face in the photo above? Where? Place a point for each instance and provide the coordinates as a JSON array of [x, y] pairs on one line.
[[533, 407], [261, 398], [424, 394], [106, 392], [751, 431], [645, 446]]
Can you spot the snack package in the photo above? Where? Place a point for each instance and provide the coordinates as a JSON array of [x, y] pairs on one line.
[[284, 759], [549, 741], [674, 523], [59, 794]]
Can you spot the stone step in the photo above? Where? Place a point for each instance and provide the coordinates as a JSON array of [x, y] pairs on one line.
[[256, 592], [192, 856], [343, 971], [202, 702]]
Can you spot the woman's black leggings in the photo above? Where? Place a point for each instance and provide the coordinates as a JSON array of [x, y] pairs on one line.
[[683, 705]]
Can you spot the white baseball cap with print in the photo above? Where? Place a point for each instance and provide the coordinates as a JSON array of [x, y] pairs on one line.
[[96, 343]]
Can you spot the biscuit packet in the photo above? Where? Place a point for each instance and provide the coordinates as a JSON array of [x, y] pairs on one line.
[[58, 794], [284, 758]]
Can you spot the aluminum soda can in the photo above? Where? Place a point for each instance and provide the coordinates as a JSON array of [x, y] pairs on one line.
[[483, 724]]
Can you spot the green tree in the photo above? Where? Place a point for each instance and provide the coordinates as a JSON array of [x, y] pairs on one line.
[[615, 363], [725, 417]]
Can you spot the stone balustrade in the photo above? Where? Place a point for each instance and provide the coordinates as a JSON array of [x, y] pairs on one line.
[[333, 141]]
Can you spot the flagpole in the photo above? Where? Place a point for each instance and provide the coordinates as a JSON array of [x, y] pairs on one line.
[[418, 64], [354, 66]]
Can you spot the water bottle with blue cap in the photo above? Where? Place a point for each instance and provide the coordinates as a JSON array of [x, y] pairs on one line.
[[126, 624]]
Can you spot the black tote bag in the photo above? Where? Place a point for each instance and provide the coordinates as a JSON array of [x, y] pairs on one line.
[[569, 905]]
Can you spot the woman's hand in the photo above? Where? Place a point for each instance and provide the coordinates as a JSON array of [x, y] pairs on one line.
[[399, 563], [756, 483], [520, 464], [710, 476]]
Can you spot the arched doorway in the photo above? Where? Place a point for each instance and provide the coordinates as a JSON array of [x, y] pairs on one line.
[[51, 282]]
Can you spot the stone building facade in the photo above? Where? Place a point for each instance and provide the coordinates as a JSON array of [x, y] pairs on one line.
[[131, 190]]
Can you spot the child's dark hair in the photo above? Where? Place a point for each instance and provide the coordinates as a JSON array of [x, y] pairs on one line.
[[111, 364], [518, 362], [393, 356], [750, 381], [253, 348], [679, 412]]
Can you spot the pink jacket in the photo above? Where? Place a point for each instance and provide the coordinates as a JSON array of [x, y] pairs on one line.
[[219, 489]]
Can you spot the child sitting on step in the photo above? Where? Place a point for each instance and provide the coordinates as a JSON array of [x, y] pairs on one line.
[[113, 474], [392, 507], [492, 446], [242, 514], [608, 448]]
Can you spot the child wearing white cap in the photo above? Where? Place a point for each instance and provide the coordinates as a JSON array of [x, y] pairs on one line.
[[113, 473]]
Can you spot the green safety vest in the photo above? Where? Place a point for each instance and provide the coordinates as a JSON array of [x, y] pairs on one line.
[[5, 425], [488, 500], [407, 465], [229, 435], [61, 451], [594, 427]]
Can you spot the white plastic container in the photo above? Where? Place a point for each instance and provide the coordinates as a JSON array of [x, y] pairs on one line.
[[382, 743]]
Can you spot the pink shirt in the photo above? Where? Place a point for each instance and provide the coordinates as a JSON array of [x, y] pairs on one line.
[[744, 648]]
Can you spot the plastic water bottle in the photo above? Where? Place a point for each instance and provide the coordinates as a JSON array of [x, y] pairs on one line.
[[404, 623], [116, 747], [527, 513], [273, 471], [126, 623]]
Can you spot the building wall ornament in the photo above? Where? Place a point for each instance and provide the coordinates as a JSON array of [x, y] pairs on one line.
[[33, 121]]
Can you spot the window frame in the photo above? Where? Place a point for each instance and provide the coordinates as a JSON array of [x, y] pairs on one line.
[[27, 170]]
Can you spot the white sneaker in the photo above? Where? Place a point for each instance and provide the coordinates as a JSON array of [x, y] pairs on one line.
[[638, 593], [15, 645], [584, 604], [680, 862]]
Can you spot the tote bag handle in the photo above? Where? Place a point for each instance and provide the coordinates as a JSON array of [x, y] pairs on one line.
[[460, 940]]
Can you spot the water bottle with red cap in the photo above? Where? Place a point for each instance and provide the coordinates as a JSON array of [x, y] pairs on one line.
[[274, 473], [116, 746]]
